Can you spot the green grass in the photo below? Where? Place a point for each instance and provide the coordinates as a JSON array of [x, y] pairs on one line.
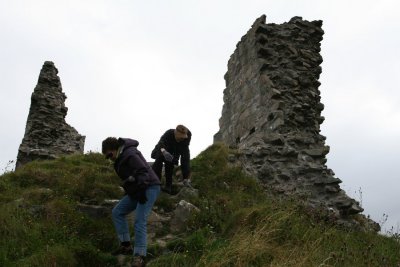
[[238, 224], [39, 223]]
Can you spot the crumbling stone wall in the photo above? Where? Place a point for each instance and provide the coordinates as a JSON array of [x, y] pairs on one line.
[[272, 113], [47, 135]]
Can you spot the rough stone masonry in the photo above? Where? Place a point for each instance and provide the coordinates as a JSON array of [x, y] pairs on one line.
[[272, 113], [47, 135]]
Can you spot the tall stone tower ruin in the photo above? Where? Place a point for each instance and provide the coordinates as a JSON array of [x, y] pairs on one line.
[[272, 113], [47, 135]]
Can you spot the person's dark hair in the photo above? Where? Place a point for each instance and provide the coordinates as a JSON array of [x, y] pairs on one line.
[[110, 143]]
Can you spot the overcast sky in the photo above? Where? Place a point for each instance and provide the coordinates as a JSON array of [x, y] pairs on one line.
[[137, 68]]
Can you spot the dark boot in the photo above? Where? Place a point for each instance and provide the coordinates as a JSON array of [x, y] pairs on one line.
[[138, 261], [123, 250], [168, 189]]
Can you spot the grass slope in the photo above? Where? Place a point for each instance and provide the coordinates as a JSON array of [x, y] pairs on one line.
[[238, 225]]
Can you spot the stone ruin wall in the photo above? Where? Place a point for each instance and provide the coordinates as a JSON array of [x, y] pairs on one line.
[[272, 113], [47, 135]]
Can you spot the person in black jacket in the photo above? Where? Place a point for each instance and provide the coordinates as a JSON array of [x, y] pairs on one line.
[[173, 144], [142, 187]]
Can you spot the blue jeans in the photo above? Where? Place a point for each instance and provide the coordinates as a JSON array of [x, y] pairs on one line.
[[125, 206]]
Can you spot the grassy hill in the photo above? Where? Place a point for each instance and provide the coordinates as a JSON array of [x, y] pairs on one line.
[[238, 223]]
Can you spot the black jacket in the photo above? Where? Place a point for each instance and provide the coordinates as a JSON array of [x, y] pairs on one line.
[[177, 149], [130, 162]]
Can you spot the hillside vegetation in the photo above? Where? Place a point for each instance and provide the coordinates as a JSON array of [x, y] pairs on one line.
[[238, 223]]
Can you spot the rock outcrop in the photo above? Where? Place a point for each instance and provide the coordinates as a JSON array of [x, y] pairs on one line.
[[47, 135], [272, 113]]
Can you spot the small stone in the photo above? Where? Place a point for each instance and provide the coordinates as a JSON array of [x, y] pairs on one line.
[[182, 213], [110, 202], [317, 152], [332, 189], [94, 211], [187, 193]]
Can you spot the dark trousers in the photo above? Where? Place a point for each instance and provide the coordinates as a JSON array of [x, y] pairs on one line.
[[169, 169]]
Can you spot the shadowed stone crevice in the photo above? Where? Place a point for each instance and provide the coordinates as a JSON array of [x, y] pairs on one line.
[[272, 113], [47, 135]]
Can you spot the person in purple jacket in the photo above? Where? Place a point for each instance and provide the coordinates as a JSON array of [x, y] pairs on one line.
[[142, 187]]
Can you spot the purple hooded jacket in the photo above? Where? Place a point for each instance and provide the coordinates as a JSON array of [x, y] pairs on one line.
[[130, 162]]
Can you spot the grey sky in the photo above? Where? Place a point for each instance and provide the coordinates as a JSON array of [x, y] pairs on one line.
[[137, 68]]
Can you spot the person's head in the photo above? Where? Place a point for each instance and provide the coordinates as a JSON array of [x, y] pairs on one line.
[[181, 133], [109, 148]]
